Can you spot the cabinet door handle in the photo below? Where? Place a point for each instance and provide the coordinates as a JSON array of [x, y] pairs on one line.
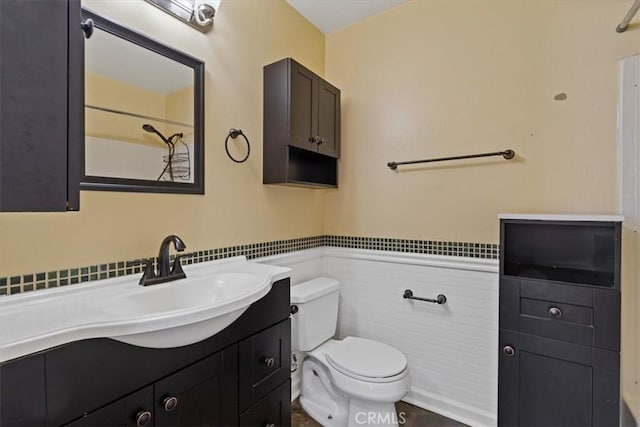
[[321, 140], [270, 425], [87, 27], [143, 418], [313, 139], [170, 403], [269, 361], [555, 312], [508, 350]]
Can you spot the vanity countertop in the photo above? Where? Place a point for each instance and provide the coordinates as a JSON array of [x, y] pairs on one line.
[[39, 320]]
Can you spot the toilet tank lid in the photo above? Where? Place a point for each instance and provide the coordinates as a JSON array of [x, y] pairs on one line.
[[306, 291]]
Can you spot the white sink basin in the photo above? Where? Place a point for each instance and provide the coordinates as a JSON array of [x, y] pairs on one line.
[[187, 294], [171, 314]]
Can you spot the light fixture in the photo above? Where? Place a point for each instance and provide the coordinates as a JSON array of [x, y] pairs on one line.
[[197, 13]]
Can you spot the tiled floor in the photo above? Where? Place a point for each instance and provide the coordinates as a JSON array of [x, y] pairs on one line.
[[413, 416]]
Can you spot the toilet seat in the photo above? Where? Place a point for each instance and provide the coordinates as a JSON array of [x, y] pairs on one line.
[[366, 360]]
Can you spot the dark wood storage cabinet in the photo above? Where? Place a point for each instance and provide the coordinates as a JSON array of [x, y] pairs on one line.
[[240, 376], [301, 126], [559, 362], [41, 105]]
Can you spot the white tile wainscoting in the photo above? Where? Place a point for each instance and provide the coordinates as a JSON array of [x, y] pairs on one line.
[[451, 348]]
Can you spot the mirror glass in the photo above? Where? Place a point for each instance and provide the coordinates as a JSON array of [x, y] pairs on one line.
[[143, 113]]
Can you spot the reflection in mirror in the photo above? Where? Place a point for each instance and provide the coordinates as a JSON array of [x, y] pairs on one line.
[[143, 110]]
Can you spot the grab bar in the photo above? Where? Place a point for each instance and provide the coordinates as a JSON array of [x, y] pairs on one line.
[[507, 154], [440, 299]]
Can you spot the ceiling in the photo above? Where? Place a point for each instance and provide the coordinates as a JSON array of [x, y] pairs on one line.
[[332, 15]]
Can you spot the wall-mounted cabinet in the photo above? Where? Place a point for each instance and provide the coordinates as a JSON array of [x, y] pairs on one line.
[[301, 126], [559, 360], [41, 105]]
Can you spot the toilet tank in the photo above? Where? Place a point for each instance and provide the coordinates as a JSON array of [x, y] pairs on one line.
[[317, 316]]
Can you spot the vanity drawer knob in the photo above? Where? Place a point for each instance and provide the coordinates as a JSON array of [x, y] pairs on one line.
[[508, 350], [143, 418], [555, 312], [269, 361], [170, 403]]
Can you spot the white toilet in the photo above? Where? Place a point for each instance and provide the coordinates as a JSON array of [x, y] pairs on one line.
[[349, 382]]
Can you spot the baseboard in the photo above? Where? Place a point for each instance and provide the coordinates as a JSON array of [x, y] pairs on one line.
[[450, 408]]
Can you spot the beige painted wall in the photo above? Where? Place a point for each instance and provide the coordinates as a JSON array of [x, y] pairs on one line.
[[448, 77], [237, 208]]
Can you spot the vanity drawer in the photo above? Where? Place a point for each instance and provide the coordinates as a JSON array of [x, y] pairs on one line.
[[571, 313], [273, 410], [264, 362]]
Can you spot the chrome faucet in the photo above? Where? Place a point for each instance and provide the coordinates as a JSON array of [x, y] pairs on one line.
[[165, 272]]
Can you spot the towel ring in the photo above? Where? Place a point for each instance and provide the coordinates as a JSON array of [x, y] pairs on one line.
[[234, 133]]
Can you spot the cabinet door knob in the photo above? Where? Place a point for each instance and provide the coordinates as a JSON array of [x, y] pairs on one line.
[[170, 403], [143, 418], [508, 350], [555, 312], [321, 140], [87, 27], [269, 361], [270, 425]]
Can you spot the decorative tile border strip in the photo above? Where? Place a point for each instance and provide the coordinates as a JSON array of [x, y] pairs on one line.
[[53, 279], [430, 247]]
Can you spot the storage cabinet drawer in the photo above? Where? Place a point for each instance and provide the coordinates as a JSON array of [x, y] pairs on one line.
[[264, 362], [274, 410], [576, 314]]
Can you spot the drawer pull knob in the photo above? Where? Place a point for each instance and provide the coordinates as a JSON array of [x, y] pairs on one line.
[[508, 350], [555, 312], [143, 418], [269, 361], [270, 425], [170, 403]]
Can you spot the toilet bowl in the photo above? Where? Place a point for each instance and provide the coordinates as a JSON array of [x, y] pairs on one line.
[[348, 382]]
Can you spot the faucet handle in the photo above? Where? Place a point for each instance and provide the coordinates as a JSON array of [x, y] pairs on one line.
[[177, 270], [149, 272]]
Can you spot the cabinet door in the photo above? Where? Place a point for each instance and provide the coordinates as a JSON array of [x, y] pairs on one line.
[[38, 41], [303, 104], [22, 392], [135, 410], [328, 119], [273, 410], [265, 362], [545, 382], [204, 394]]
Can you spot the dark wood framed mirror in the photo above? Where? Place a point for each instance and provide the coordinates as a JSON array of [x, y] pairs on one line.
[[144, 113]]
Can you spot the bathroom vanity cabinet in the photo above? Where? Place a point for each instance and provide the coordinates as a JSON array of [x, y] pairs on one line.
[[559, 343], [301, 126], [240, 376], [42, 98]]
